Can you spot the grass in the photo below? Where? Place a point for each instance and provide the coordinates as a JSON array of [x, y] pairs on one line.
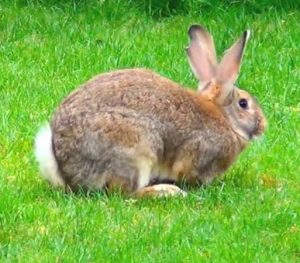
[[49, 48]]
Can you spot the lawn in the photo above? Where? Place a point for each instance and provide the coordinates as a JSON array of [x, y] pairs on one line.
[[49, 48]]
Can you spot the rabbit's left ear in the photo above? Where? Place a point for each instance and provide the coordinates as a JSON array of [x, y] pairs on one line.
[[201, 53], [228, 69]]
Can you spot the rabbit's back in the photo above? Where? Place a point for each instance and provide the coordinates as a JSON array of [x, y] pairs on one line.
[[141, 92]]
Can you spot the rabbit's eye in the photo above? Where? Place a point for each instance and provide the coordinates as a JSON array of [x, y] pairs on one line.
[[243, 103]]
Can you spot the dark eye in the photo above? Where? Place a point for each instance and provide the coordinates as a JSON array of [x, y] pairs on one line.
[[243, 103]]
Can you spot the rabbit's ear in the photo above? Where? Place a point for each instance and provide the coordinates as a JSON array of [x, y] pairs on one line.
[[228, 69], [201, 53]]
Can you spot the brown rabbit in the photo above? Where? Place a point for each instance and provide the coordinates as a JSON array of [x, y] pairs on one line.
[[135, 130]]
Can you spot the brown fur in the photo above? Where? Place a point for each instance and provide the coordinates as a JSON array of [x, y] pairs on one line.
[[116, 118]]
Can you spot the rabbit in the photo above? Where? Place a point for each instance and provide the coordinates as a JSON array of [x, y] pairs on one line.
[[135, 131]]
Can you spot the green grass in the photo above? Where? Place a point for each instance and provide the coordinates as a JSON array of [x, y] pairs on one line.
[[251, 215]]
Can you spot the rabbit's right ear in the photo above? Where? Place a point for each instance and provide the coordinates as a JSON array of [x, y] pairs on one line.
[[202, 54]]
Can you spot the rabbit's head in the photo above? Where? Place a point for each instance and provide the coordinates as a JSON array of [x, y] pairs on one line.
[[217, 82]]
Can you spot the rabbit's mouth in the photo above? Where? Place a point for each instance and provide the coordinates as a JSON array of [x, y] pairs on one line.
[[251, 132], [260, 127]]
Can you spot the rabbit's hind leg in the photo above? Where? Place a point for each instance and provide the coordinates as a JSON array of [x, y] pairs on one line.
[[118, 151], [116, 169]]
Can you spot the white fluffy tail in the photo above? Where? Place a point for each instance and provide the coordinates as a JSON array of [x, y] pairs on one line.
[[45, 156]]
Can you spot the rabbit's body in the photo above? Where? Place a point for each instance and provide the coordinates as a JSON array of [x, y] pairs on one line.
[[130, 129]]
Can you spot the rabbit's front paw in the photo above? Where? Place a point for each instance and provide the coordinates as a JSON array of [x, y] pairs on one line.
[[160, 190]]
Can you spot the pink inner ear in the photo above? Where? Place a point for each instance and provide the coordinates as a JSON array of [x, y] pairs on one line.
[[228, 70], [201, 53], [228, 73], [226, 76], [229, 67], [200, 63]]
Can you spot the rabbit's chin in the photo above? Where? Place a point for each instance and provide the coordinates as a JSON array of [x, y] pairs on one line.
[[257, 136], [248, 137], [241, 134]]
